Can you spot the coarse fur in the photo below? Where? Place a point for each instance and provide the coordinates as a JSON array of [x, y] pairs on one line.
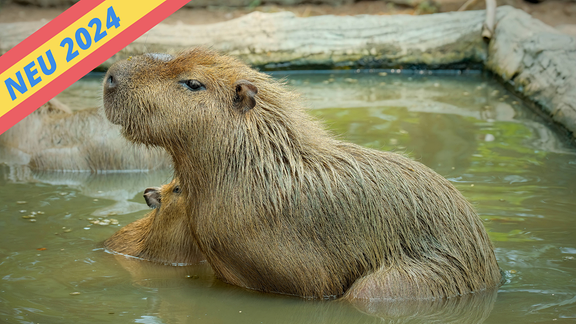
[[56, 139], [277, 204], [163, 235]]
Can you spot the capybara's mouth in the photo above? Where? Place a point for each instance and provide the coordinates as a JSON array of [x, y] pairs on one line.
[[112, 111]]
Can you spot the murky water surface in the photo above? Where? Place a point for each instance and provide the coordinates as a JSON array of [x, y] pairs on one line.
[[518, 173]]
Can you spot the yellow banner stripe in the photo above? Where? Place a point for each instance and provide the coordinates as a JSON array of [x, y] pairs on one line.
[[29, 69]]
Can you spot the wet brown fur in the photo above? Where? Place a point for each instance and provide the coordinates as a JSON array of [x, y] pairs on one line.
[[58, 140], [163, 235], [279, 205]]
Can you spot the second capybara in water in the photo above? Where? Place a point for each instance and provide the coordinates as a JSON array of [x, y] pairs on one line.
[[277, 204], [163, 235], [56, 139]]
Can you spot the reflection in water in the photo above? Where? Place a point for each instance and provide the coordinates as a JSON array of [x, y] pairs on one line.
[[121, 188], [443, 141], [518, 174], [169, 302], [472, 308]]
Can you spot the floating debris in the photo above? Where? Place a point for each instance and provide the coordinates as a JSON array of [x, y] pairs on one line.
[[21, 202], [68, 230], [74, 293], [28, 216], [382, 74], [42, 249], [95, 199], [465, 93], [32, 220], [489, 138]]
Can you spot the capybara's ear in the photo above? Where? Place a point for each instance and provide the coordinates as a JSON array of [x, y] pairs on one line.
[[245, 93], [152, 197]]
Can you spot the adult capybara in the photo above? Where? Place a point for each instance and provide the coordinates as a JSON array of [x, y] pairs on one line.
[[164, 235], [277, 204], [55, 139]]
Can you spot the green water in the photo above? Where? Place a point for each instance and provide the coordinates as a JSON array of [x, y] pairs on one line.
[[519, 174]]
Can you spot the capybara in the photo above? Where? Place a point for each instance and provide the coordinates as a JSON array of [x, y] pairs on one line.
[[164, 235], [277, 204], [55, 139]]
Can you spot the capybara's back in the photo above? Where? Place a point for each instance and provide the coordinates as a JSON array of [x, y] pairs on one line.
[[279, 205]]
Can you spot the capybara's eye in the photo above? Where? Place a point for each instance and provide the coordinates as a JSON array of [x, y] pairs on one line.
[[176, 189], [193, 85]]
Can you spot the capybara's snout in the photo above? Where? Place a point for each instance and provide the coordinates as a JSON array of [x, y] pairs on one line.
[[116, 75]]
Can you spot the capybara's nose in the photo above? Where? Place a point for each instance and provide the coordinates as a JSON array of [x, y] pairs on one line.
[[116, 75], [113, 77], [111, 81]]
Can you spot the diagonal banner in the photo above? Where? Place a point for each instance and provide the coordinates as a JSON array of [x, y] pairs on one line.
[[69, 47]]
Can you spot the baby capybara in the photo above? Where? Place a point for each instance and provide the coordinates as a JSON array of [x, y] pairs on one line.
[[164, 235], [277, 204]]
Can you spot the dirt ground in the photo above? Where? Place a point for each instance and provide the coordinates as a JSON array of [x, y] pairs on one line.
[[556, 13]]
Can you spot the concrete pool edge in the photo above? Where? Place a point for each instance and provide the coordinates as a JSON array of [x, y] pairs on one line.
[[533, 58]]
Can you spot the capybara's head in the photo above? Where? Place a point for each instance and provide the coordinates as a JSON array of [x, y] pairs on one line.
[[164, 234], [166, 200], [160, 99]]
